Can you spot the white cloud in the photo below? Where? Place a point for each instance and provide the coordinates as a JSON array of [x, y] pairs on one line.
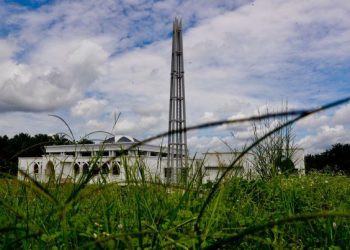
[[203, 144], [88, 107], [314, 121], [209, 117], [324, 138], [145, 125], [53, 78], [7, 48], [95, 125], [126, 127], [342, 115], [12, 123]]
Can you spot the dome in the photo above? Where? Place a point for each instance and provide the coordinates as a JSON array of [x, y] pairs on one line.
[[123, 139]]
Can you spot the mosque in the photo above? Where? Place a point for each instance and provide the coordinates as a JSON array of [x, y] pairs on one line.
[[70, 162], [67, 163]]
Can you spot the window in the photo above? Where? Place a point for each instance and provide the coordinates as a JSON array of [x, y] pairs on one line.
[[95, 170], [116, 169], [85, 168], [167, 173], [120, 153], [140, 153], [154, 154], [183, 174], [36, 169], [50, 170], [132, 152], [70, 153], [103, 153], [105, 169], [76, 169], [87, 153]]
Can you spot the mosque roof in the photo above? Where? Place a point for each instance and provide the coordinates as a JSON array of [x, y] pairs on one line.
[[122, 139]]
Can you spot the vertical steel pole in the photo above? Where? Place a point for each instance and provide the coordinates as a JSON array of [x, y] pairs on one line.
[[177, 143]]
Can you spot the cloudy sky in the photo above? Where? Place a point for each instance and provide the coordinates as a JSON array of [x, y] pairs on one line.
[[91, 59]]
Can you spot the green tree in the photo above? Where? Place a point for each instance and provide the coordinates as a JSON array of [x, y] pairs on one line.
[[25, 145], [335, 160]]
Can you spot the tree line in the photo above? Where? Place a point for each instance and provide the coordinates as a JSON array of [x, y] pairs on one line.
[[334, 160], [25, 145]]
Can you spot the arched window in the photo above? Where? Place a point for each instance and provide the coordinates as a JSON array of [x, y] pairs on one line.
[[95, 169], [50, 170], [105, 169], [36, 169], [116, 169], [85, 168], [76, 169]]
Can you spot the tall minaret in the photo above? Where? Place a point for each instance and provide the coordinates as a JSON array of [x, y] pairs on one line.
[[177, 142]]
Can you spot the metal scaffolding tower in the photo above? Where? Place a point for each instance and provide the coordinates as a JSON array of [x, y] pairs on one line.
[[177, 141]]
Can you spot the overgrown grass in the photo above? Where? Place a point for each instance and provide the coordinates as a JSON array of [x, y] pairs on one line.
[[147, 215]]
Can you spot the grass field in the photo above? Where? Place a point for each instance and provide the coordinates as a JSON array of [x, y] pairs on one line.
[[295, 212], [310, 212]]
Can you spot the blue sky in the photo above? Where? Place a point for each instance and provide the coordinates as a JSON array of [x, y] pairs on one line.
[[87, 60], [30, 4]]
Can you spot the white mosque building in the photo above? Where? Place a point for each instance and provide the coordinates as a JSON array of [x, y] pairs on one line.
[[67, 163], [115, 161]]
